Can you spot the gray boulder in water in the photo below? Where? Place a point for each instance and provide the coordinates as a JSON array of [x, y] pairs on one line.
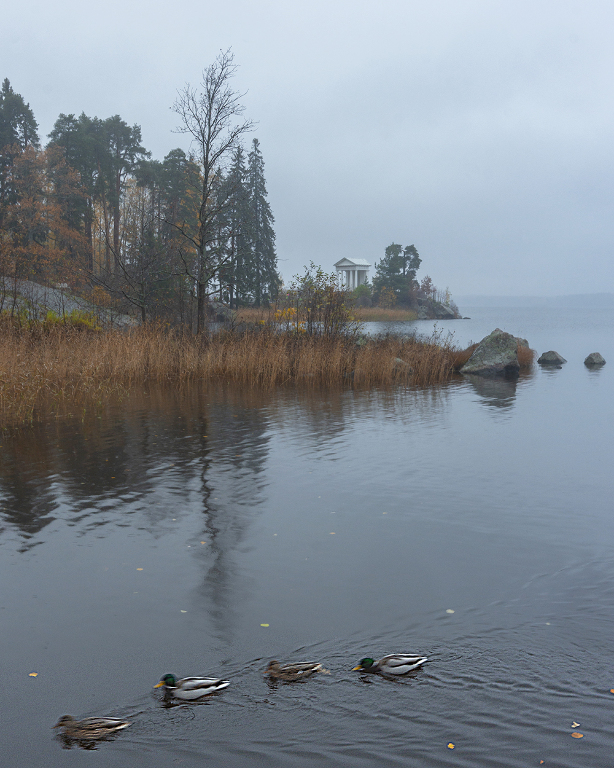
[[551, 358], [495, 355], [594, 359]]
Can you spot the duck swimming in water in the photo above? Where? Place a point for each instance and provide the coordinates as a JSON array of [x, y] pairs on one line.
[[393, 664], [190, 688]]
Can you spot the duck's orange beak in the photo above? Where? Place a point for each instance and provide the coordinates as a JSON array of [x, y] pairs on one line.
[[160, 684], [356, 668]]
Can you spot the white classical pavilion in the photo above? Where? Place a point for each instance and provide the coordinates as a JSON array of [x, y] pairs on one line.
[[353, 272]]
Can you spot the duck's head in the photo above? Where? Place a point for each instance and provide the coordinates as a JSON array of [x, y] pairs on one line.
[[65, 720], [364, 664], [272, 665], [169, 681]]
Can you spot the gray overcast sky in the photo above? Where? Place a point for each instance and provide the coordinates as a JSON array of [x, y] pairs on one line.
[[480, 131]]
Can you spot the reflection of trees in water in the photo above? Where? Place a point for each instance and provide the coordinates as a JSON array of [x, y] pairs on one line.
[[142, 456], [147, 455], [168, 453], [323, 416]]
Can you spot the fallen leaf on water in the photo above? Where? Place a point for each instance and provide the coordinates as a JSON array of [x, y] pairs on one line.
[[449, 610], [541, 762], [450, 746], [575, 725], [33, 674], [577, 735], [202, 542], [139, 569], [264, 625], [182, 611], [611, 690], [332, 533]]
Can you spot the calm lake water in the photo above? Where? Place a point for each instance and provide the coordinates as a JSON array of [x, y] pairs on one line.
[[209, 530]]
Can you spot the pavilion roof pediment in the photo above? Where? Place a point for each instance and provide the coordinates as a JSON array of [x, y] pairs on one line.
[[352, 263]]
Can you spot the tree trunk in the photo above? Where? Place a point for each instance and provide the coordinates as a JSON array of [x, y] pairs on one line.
[[200, 308]]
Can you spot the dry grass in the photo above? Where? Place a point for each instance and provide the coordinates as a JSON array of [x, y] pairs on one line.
[[66, 369], [526, 356]]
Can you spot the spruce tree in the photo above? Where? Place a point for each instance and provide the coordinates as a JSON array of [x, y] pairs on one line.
[[239, 230], [261, 271]]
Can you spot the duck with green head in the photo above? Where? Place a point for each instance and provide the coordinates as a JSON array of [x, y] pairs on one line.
[[392, 664], [190, 688]]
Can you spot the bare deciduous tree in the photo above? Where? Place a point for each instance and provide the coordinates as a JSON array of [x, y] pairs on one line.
[[211, 115]]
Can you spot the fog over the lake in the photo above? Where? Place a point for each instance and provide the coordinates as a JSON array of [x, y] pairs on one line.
[[480, 131]]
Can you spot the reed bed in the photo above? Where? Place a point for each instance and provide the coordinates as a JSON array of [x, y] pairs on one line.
[[67, 369]]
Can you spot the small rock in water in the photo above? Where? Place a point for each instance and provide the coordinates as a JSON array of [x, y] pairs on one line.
[[594, 359], [551, 358]]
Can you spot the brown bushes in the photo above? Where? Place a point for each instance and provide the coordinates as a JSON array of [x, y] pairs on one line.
[[65, 369]]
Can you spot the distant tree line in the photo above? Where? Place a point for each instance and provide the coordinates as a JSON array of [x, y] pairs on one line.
[[93, 210]]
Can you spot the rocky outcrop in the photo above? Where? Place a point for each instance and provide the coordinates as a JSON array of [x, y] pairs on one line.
[[495, 355], [594, 360], [551, 358], [428, 309]]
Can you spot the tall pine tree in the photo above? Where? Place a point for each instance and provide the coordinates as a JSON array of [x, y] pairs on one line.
[[18, 131]]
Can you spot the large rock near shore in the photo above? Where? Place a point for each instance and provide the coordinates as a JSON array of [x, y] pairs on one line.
[[495, 355]]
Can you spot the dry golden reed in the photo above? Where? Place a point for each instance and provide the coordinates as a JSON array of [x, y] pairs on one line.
[[66, 369]]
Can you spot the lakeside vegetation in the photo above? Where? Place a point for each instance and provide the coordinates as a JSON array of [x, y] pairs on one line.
[[57, 368], [61, 369]]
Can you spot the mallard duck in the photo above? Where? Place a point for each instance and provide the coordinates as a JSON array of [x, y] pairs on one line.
[[190, 688], [90, 727], [291, 672], [393, 664]]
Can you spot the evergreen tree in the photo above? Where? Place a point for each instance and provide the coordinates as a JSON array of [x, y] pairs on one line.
[[397, 270], [18, 131], [17, 123], [125, 150], [261, 271], [84, 143], [233, 275]]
